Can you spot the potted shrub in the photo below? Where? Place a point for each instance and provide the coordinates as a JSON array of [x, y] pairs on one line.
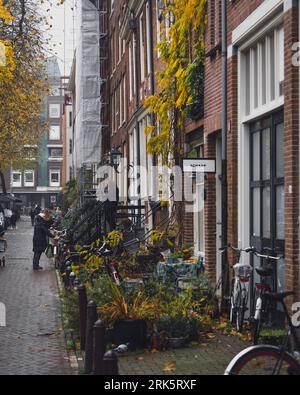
[[274, 337], [129, 318], [177, 328], [187, 252], [178, 256]]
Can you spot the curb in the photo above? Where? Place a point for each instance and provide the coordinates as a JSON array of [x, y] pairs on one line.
[[73, 359]]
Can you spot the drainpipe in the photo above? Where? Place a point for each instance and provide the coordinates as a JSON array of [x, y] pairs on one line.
[[137, 126], [225, 273], [151, 46]]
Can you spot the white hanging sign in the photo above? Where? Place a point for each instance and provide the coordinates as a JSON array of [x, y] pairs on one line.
[[199, 165]]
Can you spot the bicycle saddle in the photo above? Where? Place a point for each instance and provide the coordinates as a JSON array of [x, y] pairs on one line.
[[280, 296], [264, 272]]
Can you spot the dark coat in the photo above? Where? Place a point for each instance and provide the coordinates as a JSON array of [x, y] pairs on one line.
[[41, 234]]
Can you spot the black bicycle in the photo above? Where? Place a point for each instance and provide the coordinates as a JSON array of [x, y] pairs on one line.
[[262, 306], [270, 360]]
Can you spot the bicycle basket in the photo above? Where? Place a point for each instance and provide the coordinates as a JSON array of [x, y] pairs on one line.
[[243, 270]]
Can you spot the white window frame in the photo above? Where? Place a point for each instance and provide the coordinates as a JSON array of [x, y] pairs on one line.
[[19, 183], [258, 19], [51, 172], [55, 157], [124, 100], [53, 137], [271, 105], [27, 183], [54, 108], [142, 47], [130, 72]]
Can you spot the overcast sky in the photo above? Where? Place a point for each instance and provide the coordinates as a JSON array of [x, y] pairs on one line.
[[61, 34]]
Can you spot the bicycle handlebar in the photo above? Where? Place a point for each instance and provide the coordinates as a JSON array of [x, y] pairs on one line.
[[253, 251]]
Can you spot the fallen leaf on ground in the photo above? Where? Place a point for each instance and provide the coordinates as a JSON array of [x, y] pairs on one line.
[[170, 366]]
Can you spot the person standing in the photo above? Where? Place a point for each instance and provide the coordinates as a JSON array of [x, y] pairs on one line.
[[32, 215], [42, 224], [13, 219]]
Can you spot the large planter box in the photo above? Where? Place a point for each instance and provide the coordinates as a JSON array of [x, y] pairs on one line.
[[132, 332]]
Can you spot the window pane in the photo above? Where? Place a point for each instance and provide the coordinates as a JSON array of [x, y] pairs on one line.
[[54, 132], [266, 165], [263, 71], [280, 39], [256, 211], [280, 151], [272, 67], [54, 110], [255, 156], [266, 214], [255, 77], [247, 61], [280, 212]]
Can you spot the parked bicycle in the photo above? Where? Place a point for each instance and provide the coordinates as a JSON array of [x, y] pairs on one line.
[[239, 297], [262, 305], [270, 360]]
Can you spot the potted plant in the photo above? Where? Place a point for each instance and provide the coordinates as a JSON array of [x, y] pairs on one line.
[[129, 318], [177, 328], [187, 252], [274, 337], [178, 256]]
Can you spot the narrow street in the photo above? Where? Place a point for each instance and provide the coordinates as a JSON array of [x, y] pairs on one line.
[[32, 343]]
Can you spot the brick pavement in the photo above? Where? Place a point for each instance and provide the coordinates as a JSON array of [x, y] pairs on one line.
[[211, 358], [33, 341]]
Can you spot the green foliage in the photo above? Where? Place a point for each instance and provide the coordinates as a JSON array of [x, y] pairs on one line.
[[70, 311], [70, 194], [176, 326], [181, 50]]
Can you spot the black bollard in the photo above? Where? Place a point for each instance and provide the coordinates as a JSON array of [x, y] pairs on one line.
[[99, 347], [82, 300], [89, 337], [110, 364]]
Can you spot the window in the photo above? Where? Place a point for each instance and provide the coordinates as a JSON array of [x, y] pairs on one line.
[[54, 111], [55, 152], [148, 40], [121, 103], [70, 119], [124, 100], [16, 179], [264, 71], [29, 178], [54, 132], [70, 147], [54, 178], [130, 72], [142, 48]]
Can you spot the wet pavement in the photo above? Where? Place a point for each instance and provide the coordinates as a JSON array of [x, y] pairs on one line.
[[32, 343]]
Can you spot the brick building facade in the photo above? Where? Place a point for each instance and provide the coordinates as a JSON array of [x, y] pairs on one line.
[[263, 130], [263, 123]]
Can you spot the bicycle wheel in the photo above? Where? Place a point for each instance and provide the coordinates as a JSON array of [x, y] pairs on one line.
[[263, 361], [240, 314]]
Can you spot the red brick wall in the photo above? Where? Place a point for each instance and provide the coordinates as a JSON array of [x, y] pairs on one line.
[[291, 127]]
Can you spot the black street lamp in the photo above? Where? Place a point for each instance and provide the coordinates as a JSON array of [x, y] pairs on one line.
[[116, 156]]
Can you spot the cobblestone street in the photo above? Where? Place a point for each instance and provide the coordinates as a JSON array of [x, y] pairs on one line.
[[32, 343], [208, 359]]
